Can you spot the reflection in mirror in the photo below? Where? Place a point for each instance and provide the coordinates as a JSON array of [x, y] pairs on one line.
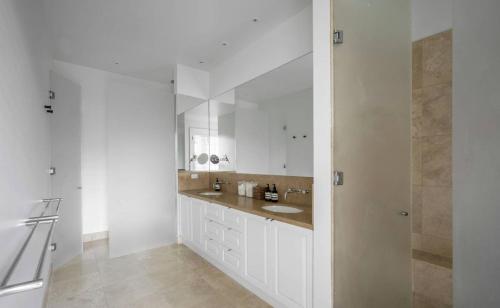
[[222, 134], [265, 126], [193, 138]]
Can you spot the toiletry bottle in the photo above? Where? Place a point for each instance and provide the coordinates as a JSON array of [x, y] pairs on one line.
[[267, 193], [274, 194], [217, 185], [242, 188]]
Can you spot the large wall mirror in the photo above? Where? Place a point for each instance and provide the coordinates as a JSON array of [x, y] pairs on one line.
[[193, 135], [265, 126]]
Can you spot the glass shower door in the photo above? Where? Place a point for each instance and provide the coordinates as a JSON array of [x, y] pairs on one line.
[[372, 147]]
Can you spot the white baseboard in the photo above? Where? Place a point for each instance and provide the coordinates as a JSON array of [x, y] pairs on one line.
[[89, 237]]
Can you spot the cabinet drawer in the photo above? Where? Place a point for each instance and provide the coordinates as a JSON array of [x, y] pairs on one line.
[[231, 260], [232, 239], [213, 249], [213, 230], [213, 212], [232, 219]]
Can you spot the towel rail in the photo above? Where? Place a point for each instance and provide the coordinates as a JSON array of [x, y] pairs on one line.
[[18, 257], [33, 222]]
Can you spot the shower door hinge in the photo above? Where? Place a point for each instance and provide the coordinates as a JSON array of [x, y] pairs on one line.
[[338, 178], [52, 170], [338, 37], [52, 95]]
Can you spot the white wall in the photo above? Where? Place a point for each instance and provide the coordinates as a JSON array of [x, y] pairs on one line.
[[284, 43], [99, 107], [95, 89], [476, 152], [24, 130], [430, 17], [322, 197], [192, 82], [181, 140], [141, 165], [94, 84]]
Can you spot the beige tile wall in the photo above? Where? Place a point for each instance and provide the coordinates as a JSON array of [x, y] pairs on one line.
[[187, 182], [282, 184], [206, 179], [431, 170]]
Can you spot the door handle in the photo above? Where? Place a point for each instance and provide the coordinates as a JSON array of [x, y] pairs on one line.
[[403, 213]]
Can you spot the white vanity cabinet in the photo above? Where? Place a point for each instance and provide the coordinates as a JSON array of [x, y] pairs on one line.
[[278, 259], [197, 216], [184, 220], [257, 245], [271, 258], [291, 264]]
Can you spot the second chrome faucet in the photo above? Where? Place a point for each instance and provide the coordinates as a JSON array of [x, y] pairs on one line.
[[292, 190]]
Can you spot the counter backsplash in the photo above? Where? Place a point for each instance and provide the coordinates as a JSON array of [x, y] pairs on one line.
[[186, 182], [282, 184], [206, 179]]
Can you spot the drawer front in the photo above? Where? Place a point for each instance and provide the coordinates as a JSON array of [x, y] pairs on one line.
[[232, 218], [213, 212], [232, 260], [232, 239], [213, 230], [213, 249]]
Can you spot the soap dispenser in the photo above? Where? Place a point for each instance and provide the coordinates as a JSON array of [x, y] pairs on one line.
[[217, 185], [267, 193], [274, 194]]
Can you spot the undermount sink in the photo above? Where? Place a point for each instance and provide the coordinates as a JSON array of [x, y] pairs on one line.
[[211, 193], [282, 209]]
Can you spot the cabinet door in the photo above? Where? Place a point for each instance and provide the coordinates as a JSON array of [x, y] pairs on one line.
[[256, 251], [232, 219], [213, 212], [213, 230], [232, 260], [292, 265], [213, 249], [185, 219], [232, 240], [197, 217]]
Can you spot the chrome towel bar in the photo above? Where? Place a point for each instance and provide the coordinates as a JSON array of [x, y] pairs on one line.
[[37, 281]]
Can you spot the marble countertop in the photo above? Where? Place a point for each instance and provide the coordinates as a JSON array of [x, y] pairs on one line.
[[254, 206]]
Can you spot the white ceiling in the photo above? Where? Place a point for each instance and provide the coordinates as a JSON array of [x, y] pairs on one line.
[[290, 78], [149, 37]]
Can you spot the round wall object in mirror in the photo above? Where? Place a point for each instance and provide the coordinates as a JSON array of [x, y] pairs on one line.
[[214, 159], [202, 158]]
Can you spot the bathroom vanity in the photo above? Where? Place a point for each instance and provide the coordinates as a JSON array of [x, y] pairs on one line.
[[260, 132], [269, 253]]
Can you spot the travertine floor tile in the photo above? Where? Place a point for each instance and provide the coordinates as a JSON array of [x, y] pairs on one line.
[[165, 277], [88, 299], [74, 286], [75, 270]]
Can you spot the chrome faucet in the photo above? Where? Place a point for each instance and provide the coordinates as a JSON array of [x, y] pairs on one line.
[[292, 190]]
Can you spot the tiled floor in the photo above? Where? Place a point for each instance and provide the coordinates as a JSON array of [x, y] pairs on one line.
[[171, 276]]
